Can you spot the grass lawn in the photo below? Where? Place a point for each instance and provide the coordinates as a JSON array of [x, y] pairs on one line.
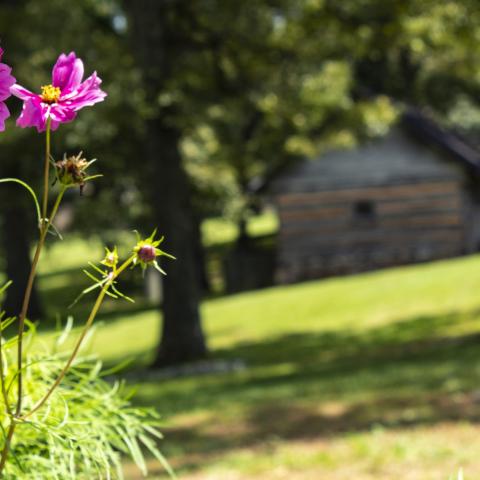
[[375, 376], [219, 231]]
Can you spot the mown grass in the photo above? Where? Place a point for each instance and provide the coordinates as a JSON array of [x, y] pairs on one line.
[[374, 376], [220, 231]]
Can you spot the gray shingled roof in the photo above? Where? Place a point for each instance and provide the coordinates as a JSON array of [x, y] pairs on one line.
[[416, 136]]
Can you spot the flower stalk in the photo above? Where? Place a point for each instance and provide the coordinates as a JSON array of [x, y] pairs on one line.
[[59, 103], [96, 307], [2, 369], [44, 226]]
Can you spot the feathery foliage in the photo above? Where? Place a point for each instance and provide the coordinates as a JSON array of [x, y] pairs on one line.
[[84, 428]]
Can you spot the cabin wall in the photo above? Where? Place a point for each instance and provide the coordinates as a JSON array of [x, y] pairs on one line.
[[472, 219], [347, 230]]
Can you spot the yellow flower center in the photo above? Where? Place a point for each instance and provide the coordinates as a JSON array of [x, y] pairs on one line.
[[50, 94]]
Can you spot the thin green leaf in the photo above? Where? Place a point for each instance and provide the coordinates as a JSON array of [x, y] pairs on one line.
[[65, 332], [156, 453]]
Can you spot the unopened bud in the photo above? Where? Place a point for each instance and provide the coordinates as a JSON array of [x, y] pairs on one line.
[[147, 253], [111, 258]]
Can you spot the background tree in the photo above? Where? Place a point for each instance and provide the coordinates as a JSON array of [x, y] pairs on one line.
[[159, 44], [206, 96], [244, 90]]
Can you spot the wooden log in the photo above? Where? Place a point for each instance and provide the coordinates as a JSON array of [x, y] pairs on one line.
[[350, 239], [327, 252], [348, 217], [385, 206], [377, 227], [319, 212], [370, 193]]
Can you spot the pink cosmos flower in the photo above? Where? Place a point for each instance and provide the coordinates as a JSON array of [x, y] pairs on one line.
[[62, 99], [6, 81]]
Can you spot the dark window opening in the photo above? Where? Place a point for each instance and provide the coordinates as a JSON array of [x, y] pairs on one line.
[[364, 211]]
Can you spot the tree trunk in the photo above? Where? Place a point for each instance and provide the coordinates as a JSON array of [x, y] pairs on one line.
[[201, 259], [182, 336], [153, 25], [16, 246]]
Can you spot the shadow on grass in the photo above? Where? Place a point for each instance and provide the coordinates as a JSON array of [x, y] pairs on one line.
[[313, 385]]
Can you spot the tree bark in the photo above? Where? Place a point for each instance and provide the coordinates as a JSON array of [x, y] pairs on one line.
[[153, 26], [16, 246], [201, 259], [182, 336]]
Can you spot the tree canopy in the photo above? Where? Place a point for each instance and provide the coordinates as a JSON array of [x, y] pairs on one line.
[[206, 96]]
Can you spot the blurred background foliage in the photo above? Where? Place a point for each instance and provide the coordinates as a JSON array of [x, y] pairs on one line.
[[207, 100], [228, 93]]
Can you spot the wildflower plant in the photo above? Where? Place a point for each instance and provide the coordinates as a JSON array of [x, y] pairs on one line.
[[58, 418]]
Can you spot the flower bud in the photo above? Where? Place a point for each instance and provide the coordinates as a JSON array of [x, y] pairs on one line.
[[72, 171], [111, 258], [146, 252]]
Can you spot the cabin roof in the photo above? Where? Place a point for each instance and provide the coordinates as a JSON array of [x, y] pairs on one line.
[[422, 127], [416, 148]]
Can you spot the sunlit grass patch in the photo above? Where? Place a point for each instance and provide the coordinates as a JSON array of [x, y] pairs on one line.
[[220, 230], [374, 376]]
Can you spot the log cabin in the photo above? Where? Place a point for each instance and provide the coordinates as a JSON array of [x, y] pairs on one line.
[[411, 196]]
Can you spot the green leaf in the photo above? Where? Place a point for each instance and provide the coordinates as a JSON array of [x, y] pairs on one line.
[[156, 453]]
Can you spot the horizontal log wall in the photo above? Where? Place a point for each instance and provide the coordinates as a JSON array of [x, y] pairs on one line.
[[409, 190], [322, 234]]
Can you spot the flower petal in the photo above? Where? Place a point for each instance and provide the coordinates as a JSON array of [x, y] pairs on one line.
[[23, 93], [87, 94], [4, 113], [67, 72], [61, 114], [6, 81], [34, 114]]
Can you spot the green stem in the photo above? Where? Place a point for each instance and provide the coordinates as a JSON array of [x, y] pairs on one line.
[[45, 224], [46, 170], [2, 375], [28, 291], [8, 440], [55, 207], [86, 328]]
